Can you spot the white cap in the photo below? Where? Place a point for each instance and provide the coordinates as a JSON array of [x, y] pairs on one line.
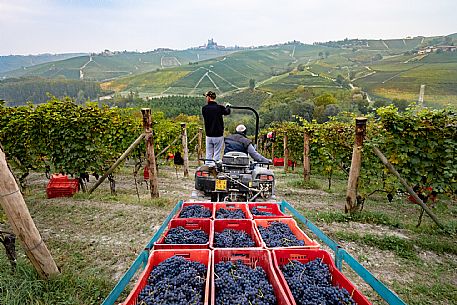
[[240, 128]]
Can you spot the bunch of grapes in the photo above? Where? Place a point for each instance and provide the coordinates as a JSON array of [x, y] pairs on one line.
[[229, 238], [256, 212], [181, 235], [237, 283], [311, 283], [175, 281], [278, 234], [195, 211], [230, 214]]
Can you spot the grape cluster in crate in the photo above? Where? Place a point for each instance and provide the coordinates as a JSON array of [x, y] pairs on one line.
[[239, 253]]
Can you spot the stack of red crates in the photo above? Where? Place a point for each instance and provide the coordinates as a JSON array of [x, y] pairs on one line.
[[61, 186], [269, 258]]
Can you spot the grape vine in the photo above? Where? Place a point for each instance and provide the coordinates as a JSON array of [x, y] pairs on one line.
[[420, 142]]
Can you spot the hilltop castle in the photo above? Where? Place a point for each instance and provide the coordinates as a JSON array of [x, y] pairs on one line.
[[212, 45]]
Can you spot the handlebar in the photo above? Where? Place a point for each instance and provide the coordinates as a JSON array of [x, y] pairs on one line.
[[203, 159], [256, 120]]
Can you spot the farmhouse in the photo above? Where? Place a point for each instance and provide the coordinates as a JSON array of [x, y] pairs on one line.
[[433, 49]]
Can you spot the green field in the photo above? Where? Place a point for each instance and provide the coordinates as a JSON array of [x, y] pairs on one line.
[[438, 72], [292, 81]]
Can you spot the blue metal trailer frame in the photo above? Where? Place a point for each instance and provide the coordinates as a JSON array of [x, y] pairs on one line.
[[340, 256]]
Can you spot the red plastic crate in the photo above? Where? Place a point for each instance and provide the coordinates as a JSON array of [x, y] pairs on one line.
[[245, 225], [61, 186], [284, 256], [252, 257], [267, 207], [158, 256], [189, 224], [280, 162], [232, 206], [208, 205], [309, 243]]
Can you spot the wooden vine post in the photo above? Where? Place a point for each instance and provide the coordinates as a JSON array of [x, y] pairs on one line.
[[272, 151], [306, 163], [22, 223], [392, 169], [354, 173], [185, 150], [286, 153], [151, 163], [199, 147]]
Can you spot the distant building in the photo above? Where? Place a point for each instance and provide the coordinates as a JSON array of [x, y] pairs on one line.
[[211, 45], [107, 53], [433, 49]]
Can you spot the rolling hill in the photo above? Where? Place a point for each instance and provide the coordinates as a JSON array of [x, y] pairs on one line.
[[14, 62], [108, 65], [385, 69], [402, 79], [223, 74]]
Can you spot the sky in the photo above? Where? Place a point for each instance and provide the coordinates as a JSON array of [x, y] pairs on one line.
[[65, 26]]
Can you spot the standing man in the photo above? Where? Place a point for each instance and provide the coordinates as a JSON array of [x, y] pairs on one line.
[[214, 125]]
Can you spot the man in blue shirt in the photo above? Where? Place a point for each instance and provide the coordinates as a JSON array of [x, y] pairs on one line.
[[240, 143], [214, 125]]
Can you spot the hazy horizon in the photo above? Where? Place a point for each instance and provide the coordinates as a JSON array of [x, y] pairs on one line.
[[66, 26]]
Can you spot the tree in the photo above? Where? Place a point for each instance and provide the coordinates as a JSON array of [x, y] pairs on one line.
[[340, 79], [362, 106], [80, 97], [401, 104], [377, 57], [251, 83], [302, 108], [325, 99], [329, 111], [281, 113], [327, 54], [321, 55], [379, 103]]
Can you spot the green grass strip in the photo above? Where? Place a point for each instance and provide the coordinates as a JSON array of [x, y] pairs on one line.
[[71, 287]]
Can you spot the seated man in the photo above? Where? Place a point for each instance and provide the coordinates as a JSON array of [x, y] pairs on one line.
[[240, 143]]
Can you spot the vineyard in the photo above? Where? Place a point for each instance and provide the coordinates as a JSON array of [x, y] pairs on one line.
[[420, 143], [101, 232], [73, 139]]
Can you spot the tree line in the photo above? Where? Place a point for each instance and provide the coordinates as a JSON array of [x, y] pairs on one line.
[[19, 91]]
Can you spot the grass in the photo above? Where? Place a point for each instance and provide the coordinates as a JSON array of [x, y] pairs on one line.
[[144, 200], [300, 183], [399, 246], [438, 286], [428, 294], [405, 248], [368, 217], [72, 286]]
